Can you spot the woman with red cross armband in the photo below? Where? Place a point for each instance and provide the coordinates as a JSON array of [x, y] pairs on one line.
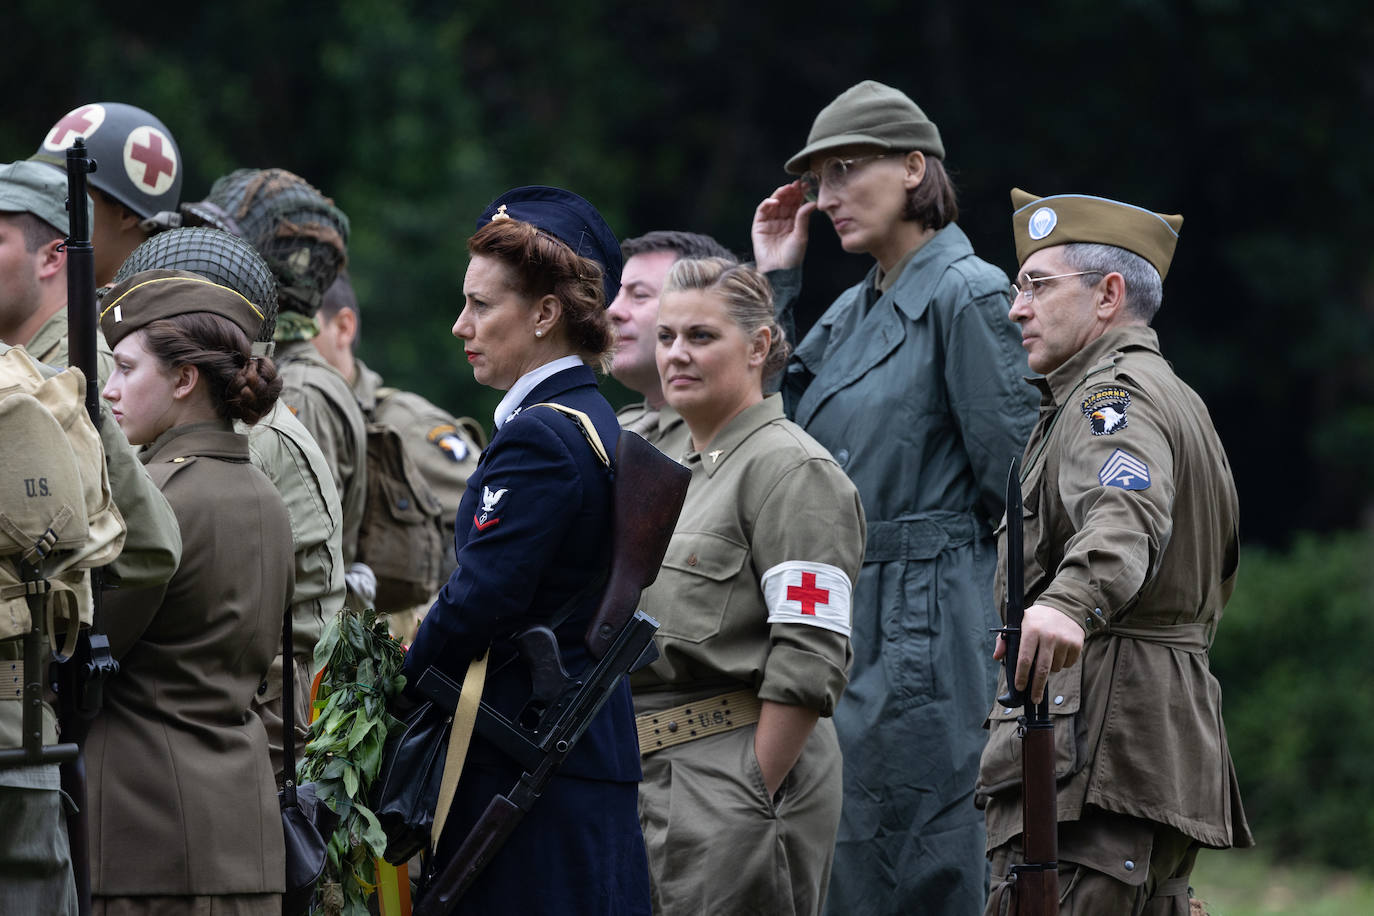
[[741, 795]]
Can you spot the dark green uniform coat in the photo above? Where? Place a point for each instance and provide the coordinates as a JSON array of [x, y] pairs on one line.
[[917, 393], [1130, 524]]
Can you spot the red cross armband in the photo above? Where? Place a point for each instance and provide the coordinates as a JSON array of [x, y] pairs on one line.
[[816, 594]]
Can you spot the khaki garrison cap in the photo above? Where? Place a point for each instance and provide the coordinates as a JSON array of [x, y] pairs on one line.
[[153, 294], [1060, 219]]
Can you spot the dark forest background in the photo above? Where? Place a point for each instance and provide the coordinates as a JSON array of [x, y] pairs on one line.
[[1255, 120]]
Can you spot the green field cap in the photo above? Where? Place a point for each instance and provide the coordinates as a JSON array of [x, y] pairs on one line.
[[31, 187], [872, 114], [1042, 222]]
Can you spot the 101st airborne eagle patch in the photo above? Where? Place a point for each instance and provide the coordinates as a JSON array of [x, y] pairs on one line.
[[1105, 409]]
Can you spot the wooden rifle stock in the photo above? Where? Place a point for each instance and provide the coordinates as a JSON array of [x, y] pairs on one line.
[[1035, 890], [648, 494], [647, 497]]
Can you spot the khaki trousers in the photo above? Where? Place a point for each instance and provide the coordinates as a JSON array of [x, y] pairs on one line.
[[1109, 863], [718, 843]]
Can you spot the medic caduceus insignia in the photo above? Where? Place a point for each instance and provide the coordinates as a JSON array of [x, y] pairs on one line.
[[1105, 409]]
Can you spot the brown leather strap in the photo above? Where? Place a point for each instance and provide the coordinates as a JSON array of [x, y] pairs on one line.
[[698, 719]]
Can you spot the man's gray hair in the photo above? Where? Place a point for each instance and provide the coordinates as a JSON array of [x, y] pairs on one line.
[[1144, 289], [684, 244]]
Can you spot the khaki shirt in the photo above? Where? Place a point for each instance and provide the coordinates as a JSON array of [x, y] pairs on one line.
[[767, 510], [1130, 521], [282, 448], [321, 399], [662, 427]]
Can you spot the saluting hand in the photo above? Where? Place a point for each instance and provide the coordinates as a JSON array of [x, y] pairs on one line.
[[781, 228], [1059, 640]]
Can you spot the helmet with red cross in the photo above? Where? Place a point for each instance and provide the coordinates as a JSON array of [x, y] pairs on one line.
[[137, 161]]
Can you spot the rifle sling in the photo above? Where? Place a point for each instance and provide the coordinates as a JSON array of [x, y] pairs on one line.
[[459, 737]]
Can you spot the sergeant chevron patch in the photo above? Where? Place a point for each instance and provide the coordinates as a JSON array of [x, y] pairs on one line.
[[1124, 470]]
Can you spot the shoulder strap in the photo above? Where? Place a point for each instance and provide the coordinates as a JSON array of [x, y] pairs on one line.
[[588, 428]]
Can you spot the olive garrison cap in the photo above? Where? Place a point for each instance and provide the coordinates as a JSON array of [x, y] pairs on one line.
[[30, 187], [872, 114], [153, 294], [1043, 222], [568, 218]]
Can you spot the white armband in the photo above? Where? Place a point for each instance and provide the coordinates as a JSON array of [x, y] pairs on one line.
[[817, 594]]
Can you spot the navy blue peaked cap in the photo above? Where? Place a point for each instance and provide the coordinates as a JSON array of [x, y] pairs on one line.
[[568, 218]]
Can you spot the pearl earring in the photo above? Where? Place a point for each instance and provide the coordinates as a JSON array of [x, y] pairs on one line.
[[538, 333]]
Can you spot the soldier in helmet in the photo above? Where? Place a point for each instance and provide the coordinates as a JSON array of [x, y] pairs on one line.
[[283, 449], [303, 238], [137, 185]]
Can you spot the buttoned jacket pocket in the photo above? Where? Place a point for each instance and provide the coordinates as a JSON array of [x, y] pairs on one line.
[[701, 571], [1000, 769]]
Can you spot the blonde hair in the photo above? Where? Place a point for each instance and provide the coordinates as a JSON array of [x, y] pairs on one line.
[[747, 296]]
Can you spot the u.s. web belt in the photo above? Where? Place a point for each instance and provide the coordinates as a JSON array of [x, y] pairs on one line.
[[698, 719]]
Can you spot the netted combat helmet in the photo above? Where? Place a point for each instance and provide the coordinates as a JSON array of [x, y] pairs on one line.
[[139, 163], [215, 255], [298, 231]]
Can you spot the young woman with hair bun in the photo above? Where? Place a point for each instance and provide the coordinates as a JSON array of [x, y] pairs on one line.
[[182, 798]]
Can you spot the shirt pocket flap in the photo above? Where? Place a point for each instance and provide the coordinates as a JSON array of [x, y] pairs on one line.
[[704, 553]]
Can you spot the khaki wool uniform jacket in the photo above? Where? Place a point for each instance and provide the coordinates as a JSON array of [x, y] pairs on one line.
[[662, 427], [1130, 520], [764, 494], [181, 795], [321, 399]]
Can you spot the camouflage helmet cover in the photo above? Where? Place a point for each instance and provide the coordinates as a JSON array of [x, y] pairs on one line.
[[215, 255], [299, 232], [139, 163]]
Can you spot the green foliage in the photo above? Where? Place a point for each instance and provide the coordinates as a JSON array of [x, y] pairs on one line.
[[362, 666], [1293, 657]]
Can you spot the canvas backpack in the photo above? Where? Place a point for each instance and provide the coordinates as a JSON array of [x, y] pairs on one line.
[[57, 518], [399, 538]]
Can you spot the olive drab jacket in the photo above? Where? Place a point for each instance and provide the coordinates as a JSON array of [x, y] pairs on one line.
[[1130, 521], [917, 393], [181, 796]]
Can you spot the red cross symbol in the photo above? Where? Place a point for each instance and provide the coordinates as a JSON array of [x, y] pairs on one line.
[[153, 159], [808, 596], [74, 123]]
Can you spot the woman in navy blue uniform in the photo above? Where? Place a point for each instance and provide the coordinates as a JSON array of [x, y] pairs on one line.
[[533, 545]]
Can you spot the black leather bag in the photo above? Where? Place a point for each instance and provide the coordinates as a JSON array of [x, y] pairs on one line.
[[407, 788], [306, 821]]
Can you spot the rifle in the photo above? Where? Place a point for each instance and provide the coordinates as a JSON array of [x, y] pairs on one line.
[[80, 679], [649, 491], [1035, 890]]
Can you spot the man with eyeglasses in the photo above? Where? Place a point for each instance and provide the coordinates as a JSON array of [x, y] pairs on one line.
[[1130, 556], [912, 381]]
